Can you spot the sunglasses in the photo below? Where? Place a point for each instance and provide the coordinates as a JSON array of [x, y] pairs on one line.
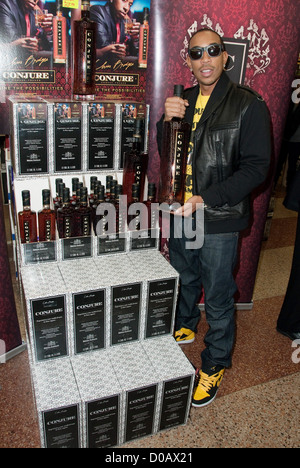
[[213, 50]]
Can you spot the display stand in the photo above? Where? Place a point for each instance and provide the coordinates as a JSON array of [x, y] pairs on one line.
[[100, 314]]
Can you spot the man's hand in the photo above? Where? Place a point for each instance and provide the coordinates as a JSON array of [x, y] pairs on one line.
[[190, 206], [175, 107]]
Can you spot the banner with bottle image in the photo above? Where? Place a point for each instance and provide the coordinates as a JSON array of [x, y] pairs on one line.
[[36, 49], [273, 34]]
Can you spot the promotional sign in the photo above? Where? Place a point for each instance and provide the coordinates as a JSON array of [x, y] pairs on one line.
[[272, 29], [36, 50]]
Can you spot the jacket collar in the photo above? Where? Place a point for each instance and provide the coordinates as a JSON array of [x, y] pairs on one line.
[[220, 91]]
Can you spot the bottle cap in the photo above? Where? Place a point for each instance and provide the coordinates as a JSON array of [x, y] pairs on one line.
[[46, 197], [66, 195], [146, 14], [83, 195], [26, 197], [138, 128], [178, 90], [151, 190], [135, 190]]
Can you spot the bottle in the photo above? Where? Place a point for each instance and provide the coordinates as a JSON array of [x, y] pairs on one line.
[[120, 210], [144, 40], [65, 217], [59, 35], [152, 215], [135, 164], [100, 199], [83, 216], [47, 219], [174, 154], [27, 221], [134, 221], [84, 55]]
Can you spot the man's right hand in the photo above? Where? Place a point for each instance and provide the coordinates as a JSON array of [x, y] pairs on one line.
[[175, 107]]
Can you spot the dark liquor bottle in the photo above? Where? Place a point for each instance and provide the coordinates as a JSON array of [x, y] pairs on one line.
[[84, 54], [47, 220], [59, 35], [27, 221], [152, 213], [144, 40], [134, 220], [174, 154], [83, 216], [65, 217], [135, 164], [57, 201], [121, 210], [100, 199]]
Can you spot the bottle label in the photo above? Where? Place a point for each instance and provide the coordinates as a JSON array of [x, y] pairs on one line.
[[27, 232], [48, 230], [59, 37], [86, 223], [144, 49], [138, 173], [67, 227], [179, 149], [89, 46]]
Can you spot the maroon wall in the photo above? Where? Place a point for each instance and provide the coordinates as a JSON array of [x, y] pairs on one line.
[[273, 30]]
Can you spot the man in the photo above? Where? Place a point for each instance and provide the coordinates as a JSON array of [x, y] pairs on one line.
[[112, 40], [229, 156], [18, 28]]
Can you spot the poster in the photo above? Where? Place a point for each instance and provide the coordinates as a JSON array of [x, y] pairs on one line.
[[36, 49]]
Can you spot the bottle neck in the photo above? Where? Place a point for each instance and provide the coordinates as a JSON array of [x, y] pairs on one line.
[[26, 208], [85, 11]]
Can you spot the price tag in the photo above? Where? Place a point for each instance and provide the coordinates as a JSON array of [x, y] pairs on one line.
[[70, 3]]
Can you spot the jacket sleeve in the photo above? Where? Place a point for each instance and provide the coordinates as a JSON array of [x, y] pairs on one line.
[[255, 156]]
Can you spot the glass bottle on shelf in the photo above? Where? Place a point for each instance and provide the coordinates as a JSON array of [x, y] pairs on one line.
[[47, 219], [83, 216], [27, 220], [135, 164], [144, 40], [174, 154], [151, 198], [84, 54], [65, 217], [134, 221], [59, 35]]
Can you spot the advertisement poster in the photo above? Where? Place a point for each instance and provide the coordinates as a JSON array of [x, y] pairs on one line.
[[36, 49]]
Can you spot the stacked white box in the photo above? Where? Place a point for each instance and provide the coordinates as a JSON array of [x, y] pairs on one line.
[[46, 311], [100, 393], [88, 303], [176, 375], [159, 291], [139, 381], [124, 316], [58, 404]]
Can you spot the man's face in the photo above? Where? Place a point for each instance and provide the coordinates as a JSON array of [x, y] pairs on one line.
[[207, 70], [122, 7], [29, 4]]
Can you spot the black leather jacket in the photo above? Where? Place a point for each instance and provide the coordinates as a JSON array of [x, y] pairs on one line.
[[232, 149]]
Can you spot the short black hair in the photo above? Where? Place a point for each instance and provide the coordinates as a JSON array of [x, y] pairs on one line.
[[209, 30]]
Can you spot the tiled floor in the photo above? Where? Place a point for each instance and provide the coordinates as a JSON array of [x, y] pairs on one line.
[[258, 404]]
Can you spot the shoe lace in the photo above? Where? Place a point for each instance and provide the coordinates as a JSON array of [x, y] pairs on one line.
[[209, 381]]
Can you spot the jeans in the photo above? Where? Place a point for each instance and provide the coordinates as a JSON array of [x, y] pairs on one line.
[[212, 267]]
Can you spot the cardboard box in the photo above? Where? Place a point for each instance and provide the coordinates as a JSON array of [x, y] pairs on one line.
[[100, 393], [58, 404], [88, 304], [46, 312], [139, 381], [176, 376], [160, 292]]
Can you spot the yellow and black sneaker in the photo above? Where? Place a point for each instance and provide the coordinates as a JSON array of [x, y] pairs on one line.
[[207, 386], [185, 336]]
